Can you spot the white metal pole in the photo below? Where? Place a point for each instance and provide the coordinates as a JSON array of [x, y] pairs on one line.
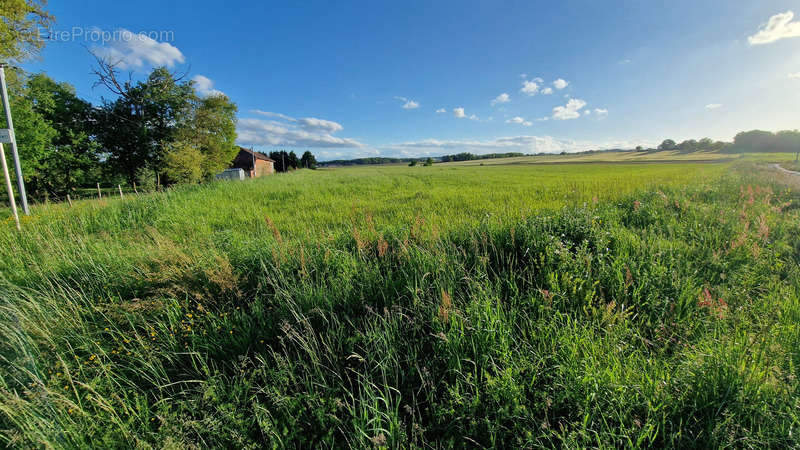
[[10, 123], [9, 188]]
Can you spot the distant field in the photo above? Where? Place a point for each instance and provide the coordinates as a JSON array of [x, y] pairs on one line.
[[633, 157], [506, 306], [330, 200]]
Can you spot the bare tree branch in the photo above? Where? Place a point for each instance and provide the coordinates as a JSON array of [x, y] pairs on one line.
[[108, 75]]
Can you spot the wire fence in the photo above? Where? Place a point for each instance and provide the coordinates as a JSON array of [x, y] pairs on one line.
[[83, 194]]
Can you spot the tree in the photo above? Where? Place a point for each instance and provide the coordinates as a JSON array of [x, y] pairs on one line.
[[428, 162], [210, 128], [139, 127], [788, 141], [689, 145], [412, 163], [20, 22], [184, 164], [705, 144], [639, 148], [281, 159], [73, 159], [292, 161], [668, 144], [754, 141], [33, 132], [308, 160]]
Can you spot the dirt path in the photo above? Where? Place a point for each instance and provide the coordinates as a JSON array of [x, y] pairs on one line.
[[781, 169]]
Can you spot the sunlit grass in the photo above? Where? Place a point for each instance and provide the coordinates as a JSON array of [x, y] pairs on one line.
[[500, 306]]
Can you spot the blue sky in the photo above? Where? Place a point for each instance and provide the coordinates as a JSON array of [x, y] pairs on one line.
[[352, 79]]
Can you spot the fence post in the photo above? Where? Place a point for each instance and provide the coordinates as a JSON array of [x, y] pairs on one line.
[[134, 189], [69, 200], [120, 191], [99, 194]]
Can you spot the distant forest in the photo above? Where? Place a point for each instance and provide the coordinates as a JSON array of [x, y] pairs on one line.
[[446, 158]]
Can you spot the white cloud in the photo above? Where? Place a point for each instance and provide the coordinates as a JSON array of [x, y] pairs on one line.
[[779, 26], [290, 132], [408, 103], [459, 113], [502, 98], [795, 76], [600, 112], [135, 51], [625, 61], [569, 111], [547, 91], [531, 87], [520, 121], [713, 106], [560, 83], [474, 117], [522, 144], [273, 114], [441, 111], [205, 86], [319, 125]]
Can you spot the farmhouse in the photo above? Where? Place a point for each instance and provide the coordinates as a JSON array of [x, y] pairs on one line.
[[254, 164]]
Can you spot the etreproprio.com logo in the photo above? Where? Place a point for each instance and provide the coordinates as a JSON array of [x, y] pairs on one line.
[[99, 36]]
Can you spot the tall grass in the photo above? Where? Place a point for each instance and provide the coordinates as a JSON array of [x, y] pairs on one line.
[[410, 307]]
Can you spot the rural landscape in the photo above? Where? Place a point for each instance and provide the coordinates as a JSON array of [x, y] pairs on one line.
[[183, 278]]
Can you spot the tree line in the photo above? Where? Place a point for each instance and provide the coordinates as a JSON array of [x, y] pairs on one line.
[[446, 158], [285, 162], [754, 141]]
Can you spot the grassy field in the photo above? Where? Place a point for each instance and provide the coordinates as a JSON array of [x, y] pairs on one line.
[[510, 305], [631, 157]]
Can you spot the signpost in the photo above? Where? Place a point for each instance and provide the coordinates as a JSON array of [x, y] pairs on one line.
[[8, 184], [13, 142], [5, 136]]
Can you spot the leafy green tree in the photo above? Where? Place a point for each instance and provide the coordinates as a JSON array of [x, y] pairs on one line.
[[412, 163], [33, 132], [788, 141], [754, 141], [308, 160], [292, 161], [146, 178], [705, 144], [668, 144], [72, 158], [140, 126], [428, 162], [282, 160], [210, 127], [184, 164], [689, 145], [20, 22]]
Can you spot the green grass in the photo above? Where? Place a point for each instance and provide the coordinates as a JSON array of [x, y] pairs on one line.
[[633, 157], [516, 306], [607, 157]]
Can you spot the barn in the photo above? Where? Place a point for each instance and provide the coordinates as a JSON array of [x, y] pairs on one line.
[[254, 164]]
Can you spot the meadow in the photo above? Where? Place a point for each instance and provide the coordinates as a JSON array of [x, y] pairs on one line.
[[458, 305]]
